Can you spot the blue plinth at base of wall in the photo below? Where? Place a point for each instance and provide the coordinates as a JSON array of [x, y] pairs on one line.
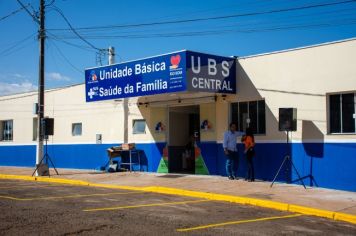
[[329, 165]]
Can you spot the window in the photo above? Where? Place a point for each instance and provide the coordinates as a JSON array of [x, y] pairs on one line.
[[249, 114], [139, 126], [6, 130], [342, 113], [76, 129]]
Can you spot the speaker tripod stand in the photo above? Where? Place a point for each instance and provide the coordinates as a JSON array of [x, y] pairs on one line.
[[288, 159], [45, 160]]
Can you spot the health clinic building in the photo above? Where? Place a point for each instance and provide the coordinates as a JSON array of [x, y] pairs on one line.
[[162, 103]]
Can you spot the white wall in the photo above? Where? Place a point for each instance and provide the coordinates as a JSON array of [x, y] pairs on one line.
[[67, 106], [302, 79], [296, 78]]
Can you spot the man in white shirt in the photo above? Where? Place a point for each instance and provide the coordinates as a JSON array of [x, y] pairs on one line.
[[231, 151]]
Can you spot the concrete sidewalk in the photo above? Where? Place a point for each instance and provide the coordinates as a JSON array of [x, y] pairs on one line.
[[324, 199]]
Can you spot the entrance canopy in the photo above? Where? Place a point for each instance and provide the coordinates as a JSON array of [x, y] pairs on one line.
[[183, 71]]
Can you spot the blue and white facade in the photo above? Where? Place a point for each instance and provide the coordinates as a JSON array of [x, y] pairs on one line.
[[320, 81]]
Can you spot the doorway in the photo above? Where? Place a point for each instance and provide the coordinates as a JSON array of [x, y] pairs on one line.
[[184, 131]]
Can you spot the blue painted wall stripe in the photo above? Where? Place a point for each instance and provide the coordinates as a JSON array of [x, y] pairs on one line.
[[332, 165]]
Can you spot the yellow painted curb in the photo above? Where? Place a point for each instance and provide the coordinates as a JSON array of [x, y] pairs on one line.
[[67, 181], [115, 186], [211, 196], [270, 204], [311, 211], [44, 179], [255, 202], [345, 217]]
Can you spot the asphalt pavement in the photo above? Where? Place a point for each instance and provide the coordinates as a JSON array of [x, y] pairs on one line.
[[42, 208]]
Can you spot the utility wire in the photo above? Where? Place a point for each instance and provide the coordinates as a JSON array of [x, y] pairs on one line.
[[54, 37], [212, 18], [237, 28], [33, 16], [13, 13], [100, 52], [310, 17], [73, 29], [66, 59], [50, 4], [16, 45], [221, 31]]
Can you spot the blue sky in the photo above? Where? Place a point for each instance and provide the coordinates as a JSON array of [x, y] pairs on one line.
[[67, 56]]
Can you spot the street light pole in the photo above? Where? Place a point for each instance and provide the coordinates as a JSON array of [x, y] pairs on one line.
[[41, 84]]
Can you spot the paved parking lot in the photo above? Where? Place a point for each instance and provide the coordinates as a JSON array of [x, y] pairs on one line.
[[29, 208]]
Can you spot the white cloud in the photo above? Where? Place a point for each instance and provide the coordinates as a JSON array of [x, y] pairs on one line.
[[12, 77], [19, 76], [54, 76], [12, 88]]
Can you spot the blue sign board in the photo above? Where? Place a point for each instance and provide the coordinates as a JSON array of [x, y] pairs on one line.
[[209, 73], [174, 72]]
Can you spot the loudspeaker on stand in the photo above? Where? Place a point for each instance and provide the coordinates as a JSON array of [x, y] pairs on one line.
[[287, 119]]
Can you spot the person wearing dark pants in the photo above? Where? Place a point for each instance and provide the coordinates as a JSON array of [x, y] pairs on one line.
[[231, 152], [250, 168], [249, 142], [232, 160]]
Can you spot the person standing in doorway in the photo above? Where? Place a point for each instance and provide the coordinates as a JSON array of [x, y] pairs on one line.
[[249, 142], [231, 151]]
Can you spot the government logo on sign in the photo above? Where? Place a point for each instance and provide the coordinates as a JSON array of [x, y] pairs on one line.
[[93, 92], [93, 78]]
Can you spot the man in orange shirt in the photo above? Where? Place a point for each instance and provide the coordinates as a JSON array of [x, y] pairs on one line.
[[249, 141]]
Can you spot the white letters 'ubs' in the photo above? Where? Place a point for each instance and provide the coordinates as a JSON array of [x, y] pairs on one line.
[[196, 71], [212, 66], [225, 69], [212, 70]]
